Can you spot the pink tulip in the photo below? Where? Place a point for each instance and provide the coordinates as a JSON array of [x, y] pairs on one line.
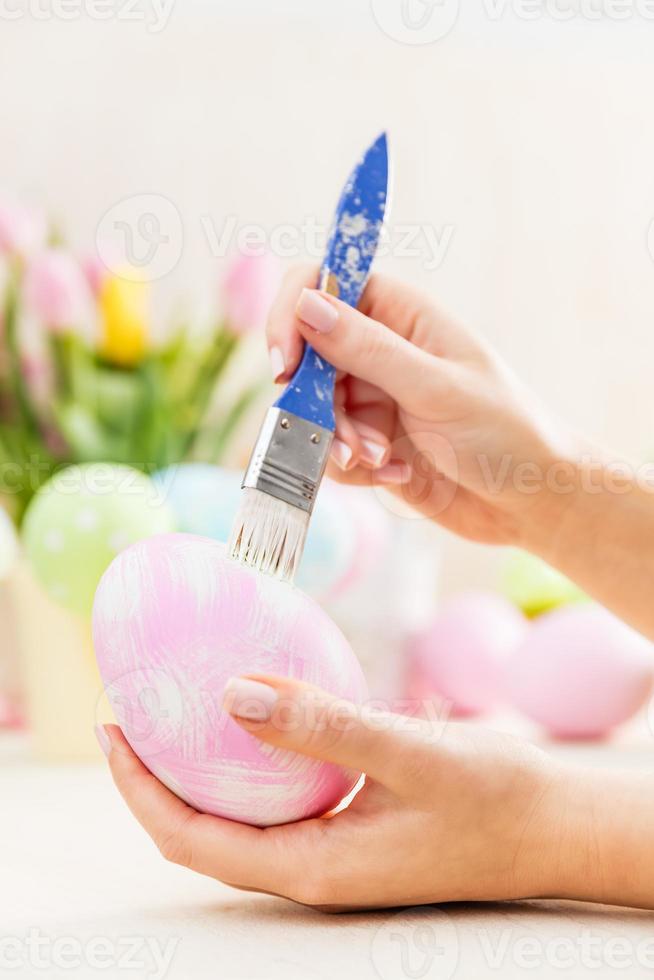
[[102, 263], [249, 288], [95, 272], [22, 230], [56, 291]]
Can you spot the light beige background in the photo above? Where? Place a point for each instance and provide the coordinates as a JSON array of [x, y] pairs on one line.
[[530, 144], [534, 143]]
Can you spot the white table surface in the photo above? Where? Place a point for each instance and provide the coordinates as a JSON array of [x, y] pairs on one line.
[[74, 866]]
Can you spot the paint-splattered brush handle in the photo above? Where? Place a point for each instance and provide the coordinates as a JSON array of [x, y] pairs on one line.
[[351, 248]]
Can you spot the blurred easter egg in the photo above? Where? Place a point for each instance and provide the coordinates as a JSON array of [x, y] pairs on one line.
[[8, 544], [462, 656], [534, 586], [332, 544], [173, 620], [580, 672], [205, 500], [78, 522], [370, 530], [11, 714]]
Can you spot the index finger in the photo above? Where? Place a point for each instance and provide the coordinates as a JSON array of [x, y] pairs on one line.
[[401, 308], [387, 301], [285, 343]]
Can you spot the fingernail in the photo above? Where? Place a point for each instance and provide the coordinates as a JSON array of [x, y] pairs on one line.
[[372, 452], [315, 310], [394, 473], [249, 699], [277, 365], [341, 453], [103, 739]]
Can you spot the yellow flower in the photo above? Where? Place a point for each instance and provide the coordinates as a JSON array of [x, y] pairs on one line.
[[124, 307]]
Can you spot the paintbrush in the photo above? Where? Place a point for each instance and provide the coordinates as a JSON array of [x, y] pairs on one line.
[[290, 455]]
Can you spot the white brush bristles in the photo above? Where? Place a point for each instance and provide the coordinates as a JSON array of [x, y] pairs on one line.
[[268, 534]]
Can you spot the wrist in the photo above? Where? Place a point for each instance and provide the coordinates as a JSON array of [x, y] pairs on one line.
[[568, 866], [595, 841], [554, 858], [598, 529], [577, 492], [554, 507]]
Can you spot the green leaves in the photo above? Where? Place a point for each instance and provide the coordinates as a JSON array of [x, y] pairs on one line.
[[149, 416]]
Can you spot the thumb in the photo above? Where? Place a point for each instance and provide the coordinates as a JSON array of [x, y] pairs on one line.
[[369, 350], [296, 716]]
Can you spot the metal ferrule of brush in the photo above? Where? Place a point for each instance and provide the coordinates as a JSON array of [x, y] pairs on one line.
[[289, 459]]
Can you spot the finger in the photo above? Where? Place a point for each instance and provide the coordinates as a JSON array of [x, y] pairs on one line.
[[370, 409], [374, 445], [408, 312], [372, 424], [346, 446], [292, 715], [394, 476], [371, 351], [232, 852], [357, 477], [361, 393], [381, 297], [413, 314], [285, 343], [358, 444]]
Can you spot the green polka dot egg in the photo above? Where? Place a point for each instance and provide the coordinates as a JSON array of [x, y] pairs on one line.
[[81, 519], [535, 587]]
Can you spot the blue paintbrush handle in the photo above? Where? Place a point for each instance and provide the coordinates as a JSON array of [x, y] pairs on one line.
[[310, 393], [352, 245]]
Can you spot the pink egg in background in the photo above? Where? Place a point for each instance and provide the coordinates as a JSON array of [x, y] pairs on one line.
[[461, 657], [173, 619], [11, 713], [580, 672]]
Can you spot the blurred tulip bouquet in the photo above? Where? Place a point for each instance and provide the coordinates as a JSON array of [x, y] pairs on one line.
[[81, 379]]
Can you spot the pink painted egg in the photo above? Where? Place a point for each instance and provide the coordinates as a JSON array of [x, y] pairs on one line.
[[173, 619], [461, 657], [580, 672]]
